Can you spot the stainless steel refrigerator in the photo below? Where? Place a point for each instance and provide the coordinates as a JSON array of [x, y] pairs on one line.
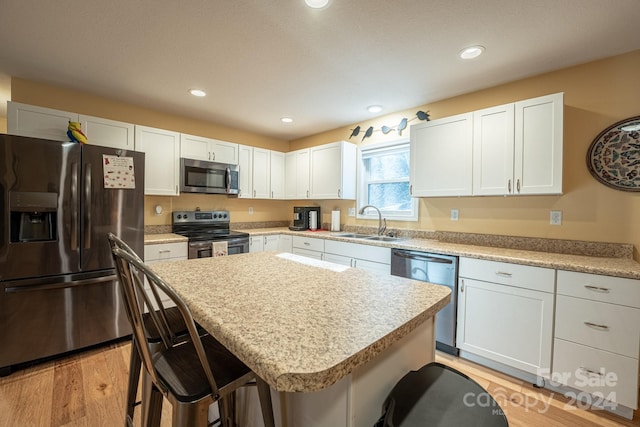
[[58, 288]]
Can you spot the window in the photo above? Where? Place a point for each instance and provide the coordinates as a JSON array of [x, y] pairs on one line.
[[383, 181]]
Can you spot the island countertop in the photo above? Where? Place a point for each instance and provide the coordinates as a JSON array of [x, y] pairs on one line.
[[300, 324]]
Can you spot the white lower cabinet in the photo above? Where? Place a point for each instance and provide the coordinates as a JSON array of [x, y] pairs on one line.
[[256, 243], [505, 314], [165, 252], [365, 257], [286, 243], [310, 247], [597, 338]]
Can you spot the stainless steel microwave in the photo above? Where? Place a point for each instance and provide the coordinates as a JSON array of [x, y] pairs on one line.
[[198, 176]]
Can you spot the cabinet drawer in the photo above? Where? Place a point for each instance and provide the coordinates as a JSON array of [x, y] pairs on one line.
[[307, 253], [605, 326], [613, 376], [165, 251], [616, 290], [360, 251], [311, 243], [522, 276]]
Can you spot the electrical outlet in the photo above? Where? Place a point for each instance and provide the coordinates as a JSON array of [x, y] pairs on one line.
[[555, 218], [250, 211], [454, 214], [352, 212]]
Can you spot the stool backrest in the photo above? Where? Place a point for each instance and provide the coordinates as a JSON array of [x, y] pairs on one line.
[[132, 273]]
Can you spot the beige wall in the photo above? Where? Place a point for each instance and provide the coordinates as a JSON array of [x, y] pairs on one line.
[[597, 94]]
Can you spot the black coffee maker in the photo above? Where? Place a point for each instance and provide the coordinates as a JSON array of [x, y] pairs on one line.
[[301, 217]]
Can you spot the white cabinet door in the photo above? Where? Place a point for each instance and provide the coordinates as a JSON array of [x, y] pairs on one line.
[[162, 160], [338, 259], [245, 167], [538, 145], [208, 149], [107, 133], [493, 151], [261, 173], [256, 244], [276, 165], [441, 157], [194, 147], [509, 325], [38, 122], [271, 243], [297, 169], [333, 171], [286, 243]]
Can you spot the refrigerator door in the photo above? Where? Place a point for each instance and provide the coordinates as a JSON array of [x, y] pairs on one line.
[[105, 209], [39, 198], [48, 316]]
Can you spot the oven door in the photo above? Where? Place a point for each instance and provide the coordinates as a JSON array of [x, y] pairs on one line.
[[204, 249]]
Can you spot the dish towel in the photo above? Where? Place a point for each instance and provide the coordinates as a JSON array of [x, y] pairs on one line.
[[219, 249]]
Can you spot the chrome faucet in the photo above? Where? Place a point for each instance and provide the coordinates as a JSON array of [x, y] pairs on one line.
[[381, 228]]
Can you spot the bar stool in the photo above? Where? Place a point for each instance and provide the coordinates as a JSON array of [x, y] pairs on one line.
[[191, 375], [437, 395], [173, 320]]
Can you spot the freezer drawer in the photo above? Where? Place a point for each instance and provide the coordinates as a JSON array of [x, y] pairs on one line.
[[43, 318]]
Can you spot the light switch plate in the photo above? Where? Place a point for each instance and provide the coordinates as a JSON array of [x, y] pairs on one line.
[[352, 212], [454, 214], [555, 218], [250, 211]]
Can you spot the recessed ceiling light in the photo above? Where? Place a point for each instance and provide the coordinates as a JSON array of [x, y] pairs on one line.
[[471, 52], [197, 92], [316, 4], [286, 120], [374, 108]]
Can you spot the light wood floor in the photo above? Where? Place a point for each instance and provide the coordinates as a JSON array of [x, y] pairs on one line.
[[88, 390]]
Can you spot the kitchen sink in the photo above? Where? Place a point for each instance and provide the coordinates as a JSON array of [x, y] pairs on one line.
[[384, 238], [352, 235], [369, 237]]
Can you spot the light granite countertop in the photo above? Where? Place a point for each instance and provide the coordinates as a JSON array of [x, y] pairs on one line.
[[300, 324], [619, 267], [156, 239]]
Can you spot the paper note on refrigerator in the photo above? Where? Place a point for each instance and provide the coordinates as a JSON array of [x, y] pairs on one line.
[[118, 172]]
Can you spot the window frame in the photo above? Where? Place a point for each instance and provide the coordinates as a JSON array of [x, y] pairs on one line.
[[362, 194]]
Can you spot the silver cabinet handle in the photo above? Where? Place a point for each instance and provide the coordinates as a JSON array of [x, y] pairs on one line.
[[509, 186], [307, 243], [166, 251], [307, 194], [590, 372], [213, 155], [462, 286], [518, 185], [595, 325], [254, 193], [339, 193], [272, 194], [596, 288], [503, 274]]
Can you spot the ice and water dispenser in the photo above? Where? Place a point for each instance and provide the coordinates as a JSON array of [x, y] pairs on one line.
[[33, 216]]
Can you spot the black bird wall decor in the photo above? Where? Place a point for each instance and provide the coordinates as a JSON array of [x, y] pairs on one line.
[[420, 115]]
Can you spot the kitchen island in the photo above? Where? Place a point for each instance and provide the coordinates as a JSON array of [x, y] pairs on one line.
[[343, 337]]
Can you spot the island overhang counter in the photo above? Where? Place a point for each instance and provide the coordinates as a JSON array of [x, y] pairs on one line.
[[305, 325]]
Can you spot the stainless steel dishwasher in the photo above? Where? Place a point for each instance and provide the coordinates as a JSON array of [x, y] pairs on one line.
[[438, 269]]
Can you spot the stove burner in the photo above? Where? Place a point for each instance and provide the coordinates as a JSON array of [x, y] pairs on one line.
[[204, 225]]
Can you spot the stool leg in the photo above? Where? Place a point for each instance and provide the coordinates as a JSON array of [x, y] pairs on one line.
[[152, 416], [264, 394], [135, 364]]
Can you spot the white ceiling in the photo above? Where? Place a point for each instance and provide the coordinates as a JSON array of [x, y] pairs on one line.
[[260, 60]]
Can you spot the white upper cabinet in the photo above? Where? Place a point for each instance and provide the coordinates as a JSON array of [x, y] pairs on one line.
[[441, 157], [245, 167], [297, 174], [333, 171], [38, 122], [261, 173], [213, 150], [538, 145], [162, 160], [107, 133], [276, 164], [493, 151]]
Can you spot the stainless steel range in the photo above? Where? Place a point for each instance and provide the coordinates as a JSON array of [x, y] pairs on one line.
[[205, 227]]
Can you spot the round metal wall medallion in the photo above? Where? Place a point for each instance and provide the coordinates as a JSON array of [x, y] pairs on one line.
[[614, 155]]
